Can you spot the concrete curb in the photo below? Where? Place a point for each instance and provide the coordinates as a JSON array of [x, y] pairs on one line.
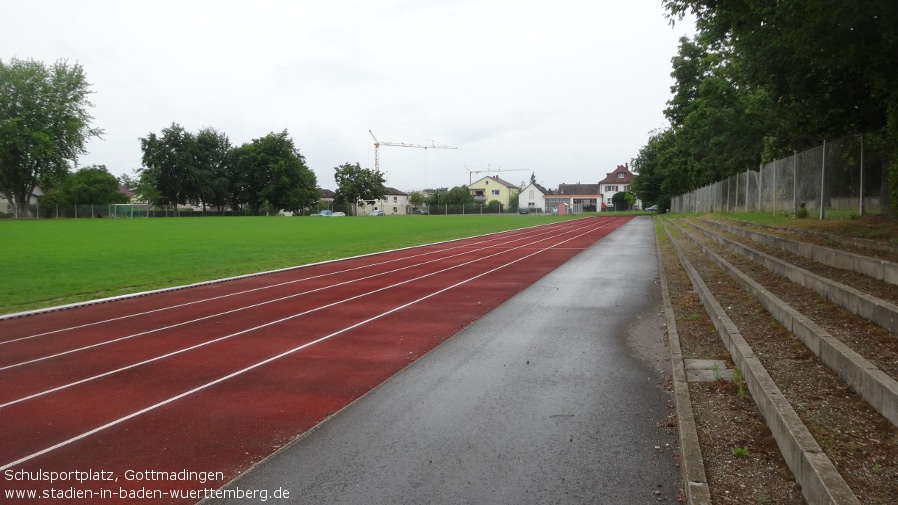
[[820, 482], [875, 386], [858, 242], [878, 269], [692, 466], [881, 312]]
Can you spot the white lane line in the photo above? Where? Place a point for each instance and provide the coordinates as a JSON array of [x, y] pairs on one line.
[[268, 360], [203, 344], [184, 323], [219, 297]]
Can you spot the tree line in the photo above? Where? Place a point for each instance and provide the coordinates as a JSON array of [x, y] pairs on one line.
[[45, 124], [762, 79], [203, 169]]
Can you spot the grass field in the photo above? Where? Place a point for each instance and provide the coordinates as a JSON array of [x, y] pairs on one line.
[[54, 262]]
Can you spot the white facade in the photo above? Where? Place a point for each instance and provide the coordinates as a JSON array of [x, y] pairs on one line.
[[395, 203], [532, 197]]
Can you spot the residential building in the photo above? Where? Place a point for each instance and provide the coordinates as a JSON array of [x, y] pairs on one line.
[[533, 197], [394, 203], [578, 198], [616, 182], [492, 188], [7, 207]]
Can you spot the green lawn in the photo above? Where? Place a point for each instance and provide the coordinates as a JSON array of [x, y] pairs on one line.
[[54, 262]]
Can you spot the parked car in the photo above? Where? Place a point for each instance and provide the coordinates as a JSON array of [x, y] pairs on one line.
[[377, 213], [524, 210], [653, 208], [338, 214], [324, 213]]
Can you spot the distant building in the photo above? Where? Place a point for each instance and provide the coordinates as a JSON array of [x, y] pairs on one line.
[[616, 182], [533, 197], [578, 197], [493, 188], [7, 207], [394, 203]]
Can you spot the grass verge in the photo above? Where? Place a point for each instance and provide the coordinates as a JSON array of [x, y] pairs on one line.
[[55, 262]]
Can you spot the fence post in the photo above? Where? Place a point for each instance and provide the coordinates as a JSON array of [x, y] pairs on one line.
[[822, 181], [746, 190], [773, 193], [861, 204], [794, 183], [760, 185]]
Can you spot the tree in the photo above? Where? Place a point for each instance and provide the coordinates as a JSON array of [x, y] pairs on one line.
[[416, 198], [270, 171], [828, 66], [356, 184], [44, 125], [93, 185], [213, 156], [170, 166], [459, 195], [620, 201]]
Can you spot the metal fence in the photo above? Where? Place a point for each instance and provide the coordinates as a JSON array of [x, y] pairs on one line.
[[838, 177], [103, 211]]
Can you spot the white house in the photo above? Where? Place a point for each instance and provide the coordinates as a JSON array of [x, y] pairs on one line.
[[394, 203], [7, 207], [533, 197], [616, 182]]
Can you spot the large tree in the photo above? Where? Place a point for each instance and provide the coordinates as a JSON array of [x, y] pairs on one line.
[[272, 172], [828, 65], [213, 156], [170, 166], [44, 125], [93, 185], [356, 184]]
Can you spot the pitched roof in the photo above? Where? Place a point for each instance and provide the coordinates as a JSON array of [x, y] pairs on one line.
[[539, 187], [122, 189], [497, 179], [396, 192], [578, 189], [613, 178], [326, 193]]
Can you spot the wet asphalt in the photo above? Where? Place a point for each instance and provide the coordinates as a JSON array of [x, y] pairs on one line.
[[554, 397]]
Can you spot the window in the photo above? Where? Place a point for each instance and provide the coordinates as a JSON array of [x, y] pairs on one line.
[[620, 175], [495, 192], [395, 199], [395, 210]]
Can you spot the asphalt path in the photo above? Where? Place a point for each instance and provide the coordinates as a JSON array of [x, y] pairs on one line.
[[556, 396]]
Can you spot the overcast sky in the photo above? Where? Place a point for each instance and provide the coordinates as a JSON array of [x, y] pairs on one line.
[[564, 89]]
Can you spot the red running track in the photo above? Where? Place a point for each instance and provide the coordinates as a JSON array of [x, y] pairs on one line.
[[215, 378]]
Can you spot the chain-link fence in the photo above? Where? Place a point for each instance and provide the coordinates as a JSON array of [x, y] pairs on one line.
[[841, 177], [104, 211]]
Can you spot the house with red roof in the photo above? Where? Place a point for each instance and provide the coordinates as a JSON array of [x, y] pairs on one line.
[[616, 182]]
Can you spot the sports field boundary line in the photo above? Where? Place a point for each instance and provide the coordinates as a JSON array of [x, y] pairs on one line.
[[140, 294]]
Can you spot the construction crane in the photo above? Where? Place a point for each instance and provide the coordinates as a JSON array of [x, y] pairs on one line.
[[489, 170], [377, 144]]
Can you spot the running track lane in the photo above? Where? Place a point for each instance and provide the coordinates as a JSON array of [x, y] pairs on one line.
[[215, 378]]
